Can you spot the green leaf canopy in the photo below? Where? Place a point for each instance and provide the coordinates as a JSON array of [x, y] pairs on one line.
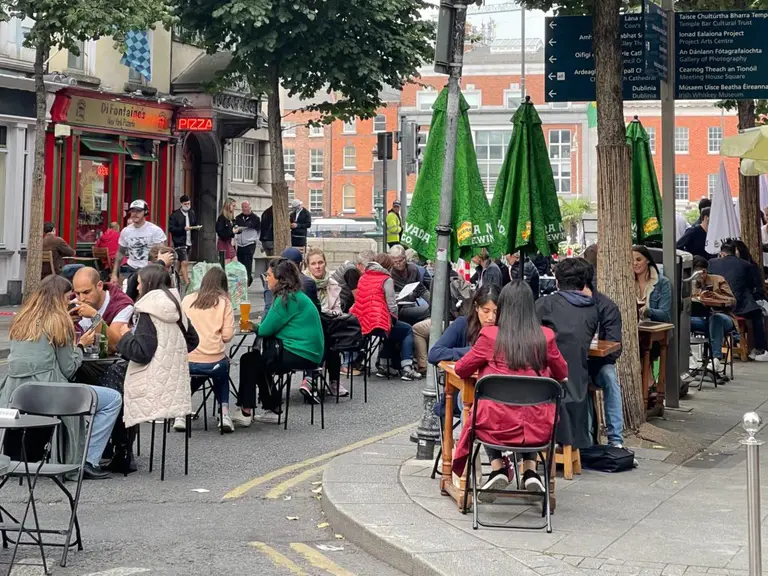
[[525, 202], [471, 221]]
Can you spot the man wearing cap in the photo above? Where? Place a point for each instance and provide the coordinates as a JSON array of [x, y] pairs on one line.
[[301, 221], [136, 239], [394, 224]]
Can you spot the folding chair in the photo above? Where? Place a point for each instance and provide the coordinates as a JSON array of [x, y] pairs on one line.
[[515, 391], [57, 399]]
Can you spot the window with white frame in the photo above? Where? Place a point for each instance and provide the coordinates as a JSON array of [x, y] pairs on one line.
[[350, 158], [316, 131], [681, 140], [474, 99], [682, 188], [425, 99], [714, 139], [316, 163], [243, 165], [77, 61], [560, 159], [651, 130], [513, 96], [490, 146], [289, 162], [711, 185], [316, 199], [348, 198], [350, 127], [3, 163], [380, 123], [289, 130], [291, 190]]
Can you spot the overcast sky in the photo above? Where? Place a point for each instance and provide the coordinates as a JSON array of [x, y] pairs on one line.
[[508, 23]]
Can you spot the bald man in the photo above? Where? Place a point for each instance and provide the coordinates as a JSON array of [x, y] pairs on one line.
[[99, 301], [248, 227]]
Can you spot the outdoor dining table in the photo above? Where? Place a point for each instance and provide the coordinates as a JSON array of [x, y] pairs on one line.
[[651, 333], [466, 387]]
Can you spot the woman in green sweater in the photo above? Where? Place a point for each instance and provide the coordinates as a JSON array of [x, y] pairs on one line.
[[292, 319]]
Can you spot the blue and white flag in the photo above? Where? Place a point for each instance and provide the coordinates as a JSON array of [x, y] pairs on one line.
[[138, 55]]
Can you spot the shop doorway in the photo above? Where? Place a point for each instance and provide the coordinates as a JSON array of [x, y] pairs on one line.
[[200, 181], [133, 188]]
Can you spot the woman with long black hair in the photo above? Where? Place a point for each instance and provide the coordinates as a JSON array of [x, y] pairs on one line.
[[517, 345]]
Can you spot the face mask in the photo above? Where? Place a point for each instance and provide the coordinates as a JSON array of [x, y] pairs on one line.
[[185, 209]]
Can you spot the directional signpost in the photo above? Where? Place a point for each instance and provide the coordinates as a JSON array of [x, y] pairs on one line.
[[721, 55], [656, 44], [570, 63]]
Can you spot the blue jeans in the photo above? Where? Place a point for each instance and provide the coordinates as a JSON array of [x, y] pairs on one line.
[[719, 325], [607, 380], [403, 333], [108, 405], [218, 372]]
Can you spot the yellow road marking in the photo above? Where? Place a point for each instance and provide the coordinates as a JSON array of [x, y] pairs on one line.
[[278, 559], [283, 487], [319, 561], [243, 488]]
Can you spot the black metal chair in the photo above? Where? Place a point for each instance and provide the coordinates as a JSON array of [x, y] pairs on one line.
[[166, 429], [707, 367], [515, 391], [56, 399]]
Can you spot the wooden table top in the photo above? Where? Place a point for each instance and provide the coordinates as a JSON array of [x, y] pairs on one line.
[[649, 326], [603, 348], [82, 258]]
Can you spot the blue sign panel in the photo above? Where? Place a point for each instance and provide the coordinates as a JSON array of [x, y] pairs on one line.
[[721, 55], [656, 39], [570, 63]]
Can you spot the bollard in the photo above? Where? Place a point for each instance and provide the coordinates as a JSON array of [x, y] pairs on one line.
[[751, 423]]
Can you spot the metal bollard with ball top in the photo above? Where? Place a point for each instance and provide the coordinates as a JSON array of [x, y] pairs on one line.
[[752, 424]]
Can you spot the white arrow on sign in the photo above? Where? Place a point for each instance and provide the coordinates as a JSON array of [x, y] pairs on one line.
[[552, 93], [552, 76], [552, 24], [552, 42], [552, 59]]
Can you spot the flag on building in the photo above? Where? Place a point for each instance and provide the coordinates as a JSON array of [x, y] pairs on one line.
[[138, 54]]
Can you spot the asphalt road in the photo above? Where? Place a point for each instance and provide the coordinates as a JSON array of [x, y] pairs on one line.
[[250, 504]]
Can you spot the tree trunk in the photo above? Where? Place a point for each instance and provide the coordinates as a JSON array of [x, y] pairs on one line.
[[35, 241], [613, 203], [279, 186], [749, 193]]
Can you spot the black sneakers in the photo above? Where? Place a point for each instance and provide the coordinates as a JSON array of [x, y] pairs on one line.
[[532, 481], [498, 480]]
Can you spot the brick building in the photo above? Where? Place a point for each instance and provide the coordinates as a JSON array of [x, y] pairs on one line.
[[492, 85]]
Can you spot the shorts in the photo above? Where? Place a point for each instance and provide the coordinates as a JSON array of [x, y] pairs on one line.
[[226, 247], [182, 253]]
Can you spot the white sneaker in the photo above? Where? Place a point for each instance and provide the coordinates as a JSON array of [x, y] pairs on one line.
[[226, 424], [752, 354], [693, 364], [718, 365], [265, 416], [180, 424], [239, 418], [761, 357]]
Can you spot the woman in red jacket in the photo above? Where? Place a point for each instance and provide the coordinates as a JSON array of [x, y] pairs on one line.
[[518, 345]]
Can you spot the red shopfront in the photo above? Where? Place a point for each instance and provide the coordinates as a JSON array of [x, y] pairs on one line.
[[116, 150]]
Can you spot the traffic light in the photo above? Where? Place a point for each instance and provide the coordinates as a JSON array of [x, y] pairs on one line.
[[444, 40], [419, 143], [384, 146]]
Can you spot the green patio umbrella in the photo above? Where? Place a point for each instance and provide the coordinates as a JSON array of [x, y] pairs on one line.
[[645, 198], [525, 200], [471, 221]]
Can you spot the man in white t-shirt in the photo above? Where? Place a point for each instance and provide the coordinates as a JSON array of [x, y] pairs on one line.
[[136, 239]]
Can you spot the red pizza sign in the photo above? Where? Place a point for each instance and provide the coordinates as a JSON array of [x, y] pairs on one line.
[[194, 124]]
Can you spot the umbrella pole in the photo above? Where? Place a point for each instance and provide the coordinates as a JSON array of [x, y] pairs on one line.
[[429, 429]]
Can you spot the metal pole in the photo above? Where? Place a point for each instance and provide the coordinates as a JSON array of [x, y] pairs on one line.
[[672, 397], [384, 202], [403, 171], [751, 423], [522, 54], [429, 428]]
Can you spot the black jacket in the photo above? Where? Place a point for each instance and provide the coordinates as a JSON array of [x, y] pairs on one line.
[[267, 232], [741, 278], [609, 317], [303, 220], [251, 221], [176, 224], [224, 228], [530, 275], [694, 241]]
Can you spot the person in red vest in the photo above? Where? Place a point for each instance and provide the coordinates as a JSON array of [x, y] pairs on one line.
[[376, 309]]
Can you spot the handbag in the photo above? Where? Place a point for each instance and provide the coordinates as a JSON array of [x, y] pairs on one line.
[[606, 458], [114, 377]]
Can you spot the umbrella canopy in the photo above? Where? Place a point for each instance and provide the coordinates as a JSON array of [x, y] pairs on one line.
[[525, 200], [645, 198], [723, 223], [471, 218], [751, 144]]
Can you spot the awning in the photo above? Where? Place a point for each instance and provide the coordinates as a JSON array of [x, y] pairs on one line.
[[103, 146], [138, 153]]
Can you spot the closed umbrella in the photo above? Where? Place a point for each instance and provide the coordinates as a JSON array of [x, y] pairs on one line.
[[471, 218], [723, 223], [525, 199], [645, 198]]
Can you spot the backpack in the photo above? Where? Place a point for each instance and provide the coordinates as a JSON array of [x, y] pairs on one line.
[[342, 332], [606, 458]]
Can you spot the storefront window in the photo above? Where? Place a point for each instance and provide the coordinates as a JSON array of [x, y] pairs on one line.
[[93, 200]]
